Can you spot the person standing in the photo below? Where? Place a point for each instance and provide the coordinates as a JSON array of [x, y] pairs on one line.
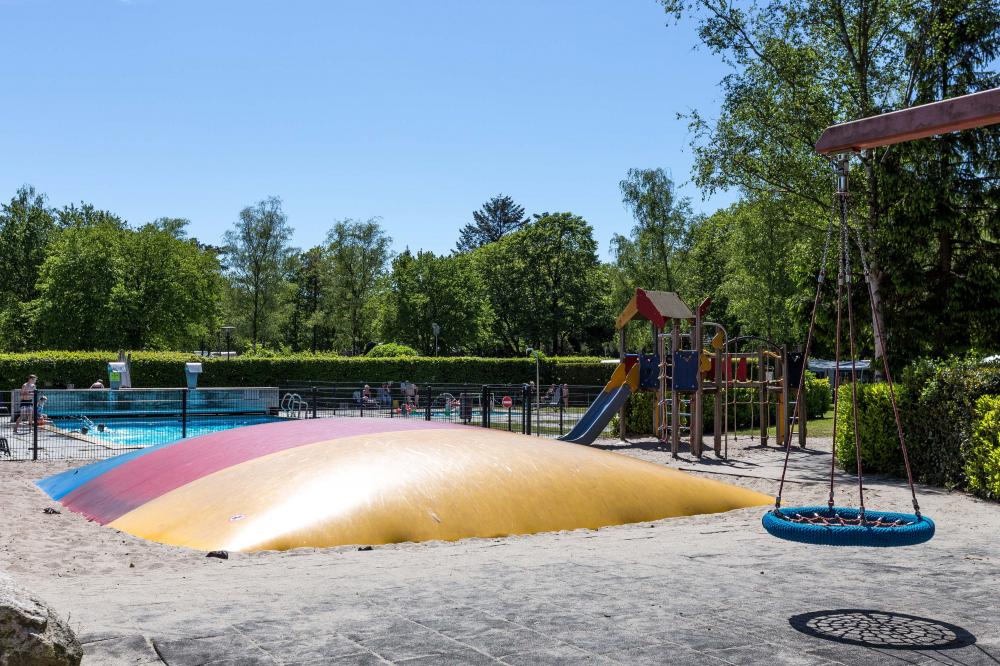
[[27, 400]]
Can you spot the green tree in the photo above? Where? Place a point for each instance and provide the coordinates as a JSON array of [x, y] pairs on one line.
[[256, 252], [26, 229], [305, 327], [800, 66], [498, 217], [426, 289], [358, 252]]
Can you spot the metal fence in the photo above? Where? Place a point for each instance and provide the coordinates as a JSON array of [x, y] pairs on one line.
[[511, 407], [95, 424]]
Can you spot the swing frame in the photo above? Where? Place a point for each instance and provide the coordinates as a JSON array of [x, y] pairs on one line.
[[831, 525]]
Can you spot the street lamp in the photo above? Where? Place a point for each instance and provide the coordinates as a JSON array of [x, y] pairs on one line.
[[228, 331], [538, 411], [436, 330]]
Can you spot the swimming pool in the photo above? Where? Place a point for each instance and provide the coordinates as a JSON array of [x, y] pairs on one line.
[[147, 431]]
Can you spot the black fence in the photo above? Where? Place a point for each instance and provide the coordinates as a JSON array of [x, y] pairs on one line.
[[95, 424], [512, 407]]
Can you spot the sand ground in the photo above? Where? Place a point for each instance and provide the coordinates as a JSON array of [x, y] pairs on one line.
[[702, 590]]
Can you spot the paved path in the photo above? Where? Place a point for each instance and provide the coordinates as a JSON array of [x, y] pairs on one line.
[[700, 590]]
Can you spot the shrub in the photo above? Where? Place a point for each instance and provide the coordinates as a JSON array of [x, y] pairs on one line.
[[391, 350], [880, 451], [982, 457], [166, 369]]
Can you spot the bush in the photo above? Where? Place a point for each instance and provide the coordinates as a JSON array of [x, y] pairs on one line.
[[982, 457], [880, 451], [166, 369], [945, 423], [391, 350]]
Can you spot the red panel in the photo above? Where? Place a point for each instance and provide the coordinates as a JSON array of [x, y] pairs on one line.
[[741, 370], [134, 483]]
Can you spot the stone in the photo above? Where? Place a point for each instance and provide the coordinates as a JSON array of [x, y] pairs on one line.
[[31, 632]]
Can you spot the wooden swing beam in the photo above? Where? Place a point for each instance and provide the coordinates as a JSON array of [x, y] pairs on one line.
[[951, 115]]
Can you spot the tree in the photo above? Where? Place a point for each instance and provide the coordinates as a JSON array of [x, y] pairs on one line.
[[256, 252], [661, 224], [498, 217], [546, 286], [26, 229], [107, 287], [800, 66], [358, 252], [426, 289], [305, 327]]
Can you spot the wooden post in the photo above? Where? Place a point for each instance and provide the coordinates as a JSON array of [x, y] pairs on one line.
[[720, 378], [675, 399], [785, 432], [762, 384], [622, 409], [698, 401]]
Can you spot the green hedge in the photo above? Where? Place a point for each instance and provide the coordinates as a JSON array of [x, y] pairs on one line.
[[939, 403], [982, 459], [391, 350], [166, 369]]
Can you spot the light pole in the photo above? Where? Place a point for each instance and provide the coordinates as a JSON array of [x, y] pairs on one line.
[[228, 330], [538, 411], [436, 330]]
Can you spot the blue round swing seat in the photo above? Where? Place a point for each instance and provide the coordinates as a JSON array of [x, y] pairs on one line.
[[823, 526]]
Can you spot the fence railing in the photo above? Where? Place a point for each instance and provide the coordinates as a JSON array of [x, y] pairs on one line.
[[511, 407], [96, 424]]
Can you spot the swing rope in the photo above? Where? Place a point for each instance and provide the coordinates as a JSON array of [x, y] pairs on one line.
[[853, 526]]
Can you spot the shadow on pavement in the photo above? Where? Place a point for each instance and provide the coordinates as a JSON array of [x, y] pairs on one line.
[[881, 629]]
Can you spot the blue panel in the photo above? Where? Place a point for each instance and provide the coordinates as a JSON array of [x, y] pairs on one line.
[[649, 371], [686, 370]]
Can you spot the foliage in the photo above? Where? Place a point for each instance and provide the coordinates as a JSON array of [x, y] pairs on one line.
[[982, 459], [256, 252], [26, 229], [498, 217], [166, 369], [938, 404], [426, 289], [358, 252], [391, 350]]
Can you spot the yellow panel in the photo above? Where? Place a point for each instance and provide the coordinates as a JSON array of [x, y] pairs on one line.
[[422, 485]]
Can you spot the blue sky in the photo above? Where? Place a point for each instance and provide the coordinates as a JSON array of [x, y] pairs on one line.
[[416, 112]]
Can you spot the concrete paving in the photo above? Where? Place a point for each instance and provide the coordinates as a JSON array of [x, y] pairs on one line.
[[701, 590]]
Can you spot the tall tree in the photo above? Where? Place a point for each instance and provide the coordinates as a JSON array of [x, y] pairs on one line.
[[305, 327], [358, 252], [799, 66], [498, 217], [661, 220], [26, 229], [256, 251]]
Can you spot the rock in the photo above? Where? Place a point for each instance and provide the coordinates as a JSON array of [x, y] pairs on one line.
[[221, 554], [31, 632]]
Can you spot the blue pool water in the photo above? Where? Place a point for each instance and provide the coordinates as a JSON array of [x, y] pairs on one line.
[[142, 432]]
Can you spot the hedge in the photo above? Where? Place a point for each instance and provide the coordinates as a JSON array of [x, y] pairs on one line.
[[982, 459], [166, 369], [941, 409]]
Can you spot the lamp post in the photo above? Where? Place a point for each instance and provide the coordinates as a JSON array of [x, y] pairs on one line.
[[228, 330], [436, 330], [538, 411]]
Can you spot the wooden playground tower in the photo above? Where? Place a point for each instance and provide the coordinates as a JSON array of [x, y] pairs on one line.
[[692, 359]]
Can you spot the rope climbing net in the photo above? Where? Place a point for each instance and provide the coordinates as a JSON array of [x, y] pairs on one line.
[[832, 525]]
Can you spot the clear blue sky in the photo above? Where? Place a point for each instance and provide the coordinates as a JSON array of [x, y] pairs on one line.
[[417, 112]]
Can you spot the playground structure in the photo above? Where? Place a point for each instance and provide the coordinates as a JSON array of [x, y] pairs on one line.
[[695, 358]]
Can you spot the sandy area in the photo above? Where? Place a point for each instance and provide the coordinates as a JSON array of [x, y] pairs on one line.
[[133, 600]]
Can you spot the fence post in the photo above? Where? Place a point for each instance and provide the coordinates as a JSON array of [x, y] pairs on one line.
[[427, 414], [527, 409], [485, 406], [560, 418], [314, 401], [34, 424], [184, 413]]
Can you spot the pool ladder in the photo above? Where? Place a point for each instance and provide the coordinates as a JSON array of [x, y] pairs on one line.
[[293, 406]]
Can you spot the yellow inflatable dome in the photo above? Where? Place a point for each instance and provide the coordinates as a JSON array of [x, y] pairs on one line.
[[340, 481]]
